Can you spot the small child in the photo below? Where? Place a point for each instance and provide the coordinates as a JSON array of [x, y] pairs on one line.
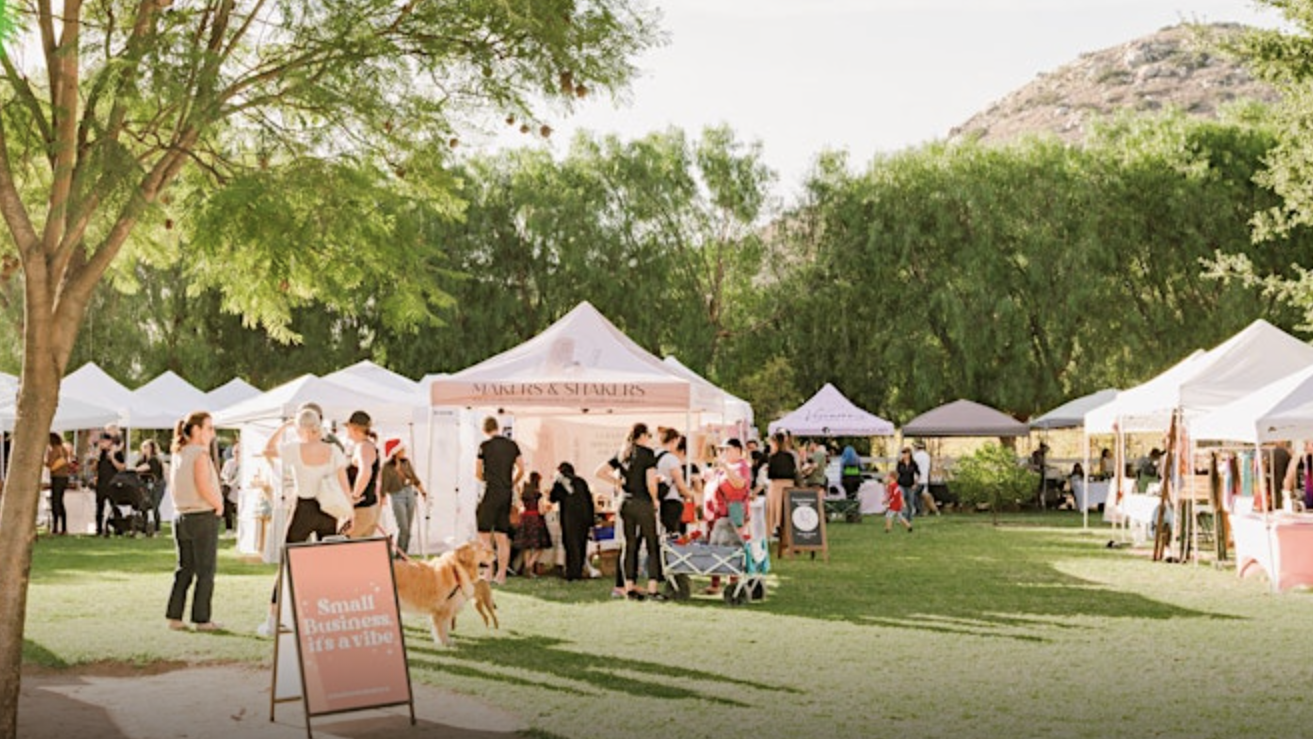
[[893, 504], [728, 506]]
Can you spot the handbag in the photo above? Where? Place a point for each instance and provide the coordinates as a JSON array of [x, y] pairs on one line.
[[690, 512], [332, 498]]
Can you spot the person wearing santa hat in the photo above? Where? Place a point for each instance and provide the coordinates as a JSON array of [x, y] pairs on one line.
[[400, 485]]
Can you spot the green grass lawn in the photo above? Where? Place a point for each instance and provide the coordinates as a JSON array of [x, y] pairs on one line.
[[960, 629]]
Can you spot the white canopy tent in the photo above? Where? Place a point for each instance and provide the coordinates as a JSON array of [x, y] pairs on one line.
[[1203, 382], [1282, 410], [70, 415], [92, 384], [377, 380], [830, 413], [161, 402], [1072, 413], [231, 392], [1254, 357], [580, 371]]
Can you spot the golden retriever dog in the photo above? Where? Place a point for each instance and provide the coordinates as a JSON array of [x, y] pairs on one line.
[[440, 587]]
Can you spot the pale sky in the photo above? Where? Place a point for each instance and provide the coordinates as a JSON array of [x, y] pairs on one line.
[[867, 76]]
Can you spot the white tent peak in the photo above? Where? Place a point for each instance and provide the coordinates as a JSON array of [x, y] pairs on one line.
[[830, 413], [1259, 354], [580, 362], [162, 401], [1256, 356], [376, 379], [582, 339], [230, 393], [94, 385]]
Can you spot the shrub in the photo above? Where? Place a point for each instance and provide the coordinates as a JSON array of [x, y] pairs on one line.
[[993, 476]]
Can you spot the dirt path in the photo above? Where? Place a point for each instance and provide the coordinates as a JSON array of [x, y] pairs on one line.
[[176, 701]]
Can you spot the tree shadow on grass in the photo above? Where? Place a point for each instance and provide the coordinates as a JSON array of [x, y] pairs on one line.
[[65, 559], [44, 712], [38, 654], [488, 658]]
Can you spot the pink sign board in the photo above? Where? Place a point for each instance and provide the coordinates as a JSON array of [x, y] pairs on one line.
[[344, 604]]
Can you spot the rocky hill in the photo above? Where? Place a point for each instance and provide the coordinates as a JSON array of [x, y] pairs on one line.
[[1175, 67]]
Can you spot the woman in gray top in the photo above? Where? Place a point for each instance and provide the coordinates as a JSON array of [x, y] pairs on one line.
[[194, 484]]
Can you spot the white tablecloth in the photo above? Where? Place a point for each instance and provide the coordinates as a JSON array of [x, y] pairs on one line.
[[1098, 493]]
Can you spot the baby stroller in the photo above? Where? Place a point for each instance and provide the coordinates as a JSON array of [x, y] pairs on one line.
[[127, 491]]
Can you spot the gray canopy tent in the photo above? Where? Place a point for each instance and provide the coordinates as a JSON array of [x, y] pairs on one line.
[[964, 418]]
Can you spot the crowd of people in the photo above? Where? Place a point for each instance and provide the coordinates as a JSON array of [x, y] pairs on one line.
[[652, 488]]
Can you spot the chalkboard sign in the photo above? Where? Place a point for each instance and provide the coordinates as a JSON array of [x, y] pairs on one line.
[[804, 522]]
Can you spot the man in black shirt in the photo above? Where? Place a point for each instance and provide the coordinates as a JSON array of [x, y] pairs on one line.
[[500, 468], [109, 462]]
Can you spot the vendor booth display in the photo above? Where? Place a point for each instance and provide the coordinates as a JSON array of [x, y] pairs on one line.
[[568, 394], [1178, 400]]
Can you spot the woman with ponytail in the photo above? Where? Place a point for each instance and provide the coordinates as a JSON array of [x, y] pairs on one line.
[[635, 469], [194, 484]]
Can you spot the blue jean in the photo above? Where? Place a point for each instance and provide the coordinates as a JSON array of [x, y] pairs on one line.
[[915, 500], [909, 501], [196, 536], [403, 509]]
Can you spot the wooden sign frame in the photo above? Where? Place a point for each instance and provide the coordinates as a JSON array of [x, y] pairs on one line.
[[817, 499], [346, 625]]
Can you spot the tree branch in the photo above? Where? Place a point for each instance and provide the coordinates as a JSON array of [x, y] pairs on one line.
[[26, 96], [65, 117]]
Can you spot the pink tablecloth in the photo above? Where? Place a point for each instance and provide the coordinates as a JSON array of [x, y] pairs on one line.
[[1289, 554]]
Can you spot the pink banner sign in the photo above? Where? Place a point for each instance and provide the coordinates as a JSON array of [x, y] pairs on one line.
[[344, 604], [563, 394]]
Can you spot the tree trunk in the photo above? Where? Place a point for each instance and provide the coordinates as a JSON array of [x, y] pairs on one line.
[[45, 354]]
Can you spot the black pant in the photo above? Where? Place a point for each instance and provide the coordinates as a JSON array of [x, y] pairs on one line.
[[307, 519], [102, 507], [639, 517], [196, 536], [574, 537], [672, 511], [229, 514], [58, 513], [851, 484]]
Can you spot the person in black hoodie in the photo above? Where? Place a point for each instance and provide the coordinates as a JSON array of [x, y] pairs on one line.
[[575, 502]]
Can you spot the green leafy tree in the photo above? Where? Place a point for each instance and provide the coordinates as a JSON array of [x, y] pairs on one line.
[[274, 135], [661, 233], [1284, 58], [967, 271]]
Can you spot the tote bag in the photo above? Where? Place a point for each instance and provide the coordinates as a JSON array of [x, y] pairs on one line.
[[332, 498]]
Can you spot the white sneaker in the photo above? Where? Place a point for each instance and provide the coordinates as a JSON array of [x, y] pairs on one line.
[[267, 628]]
